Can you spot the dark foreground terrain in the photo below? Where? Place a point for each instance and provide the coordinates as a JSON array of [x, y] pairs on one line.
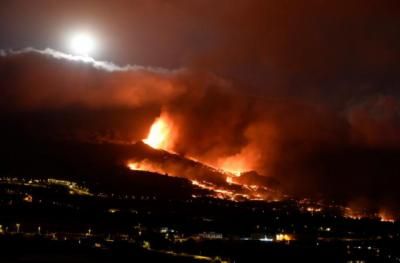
[[53, 220]]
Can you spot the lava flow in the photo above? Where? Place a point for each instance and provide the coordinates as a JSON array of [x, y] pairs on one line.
[[222, 181], [162, 136]]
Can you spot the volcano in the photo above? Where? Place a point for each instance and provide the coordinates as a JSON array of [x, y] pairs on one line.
[[220, 183]]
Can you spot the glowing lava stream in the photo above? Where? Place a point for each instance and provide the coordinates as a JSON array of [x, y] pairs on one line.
[[162, 135]]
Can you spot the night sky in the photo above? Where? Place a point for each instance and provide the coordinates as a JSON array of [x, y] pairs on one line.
[[306, 92]]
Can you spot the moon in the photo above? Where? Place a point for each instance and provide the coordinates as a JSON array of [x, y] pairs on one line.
[[82, 44]]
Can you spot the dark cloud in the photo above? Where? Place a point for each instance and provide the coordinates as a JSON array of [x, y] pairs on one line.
[[34, 79], [376, 122]]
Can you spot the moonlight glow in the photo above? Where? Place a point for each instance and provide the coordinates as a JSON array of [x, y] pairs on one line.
[[82, 44]]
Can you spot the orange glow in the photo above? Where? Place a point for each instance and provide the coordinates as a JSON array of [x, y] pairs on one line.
[[229, 180], [28, 198], [136, 166], [233, 165], [161, 133], [238, 163], [353, 214], [313, 209], [249, 192], [218, 193], [221, 193], [385, 217], [144, 166], [283, 237]]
